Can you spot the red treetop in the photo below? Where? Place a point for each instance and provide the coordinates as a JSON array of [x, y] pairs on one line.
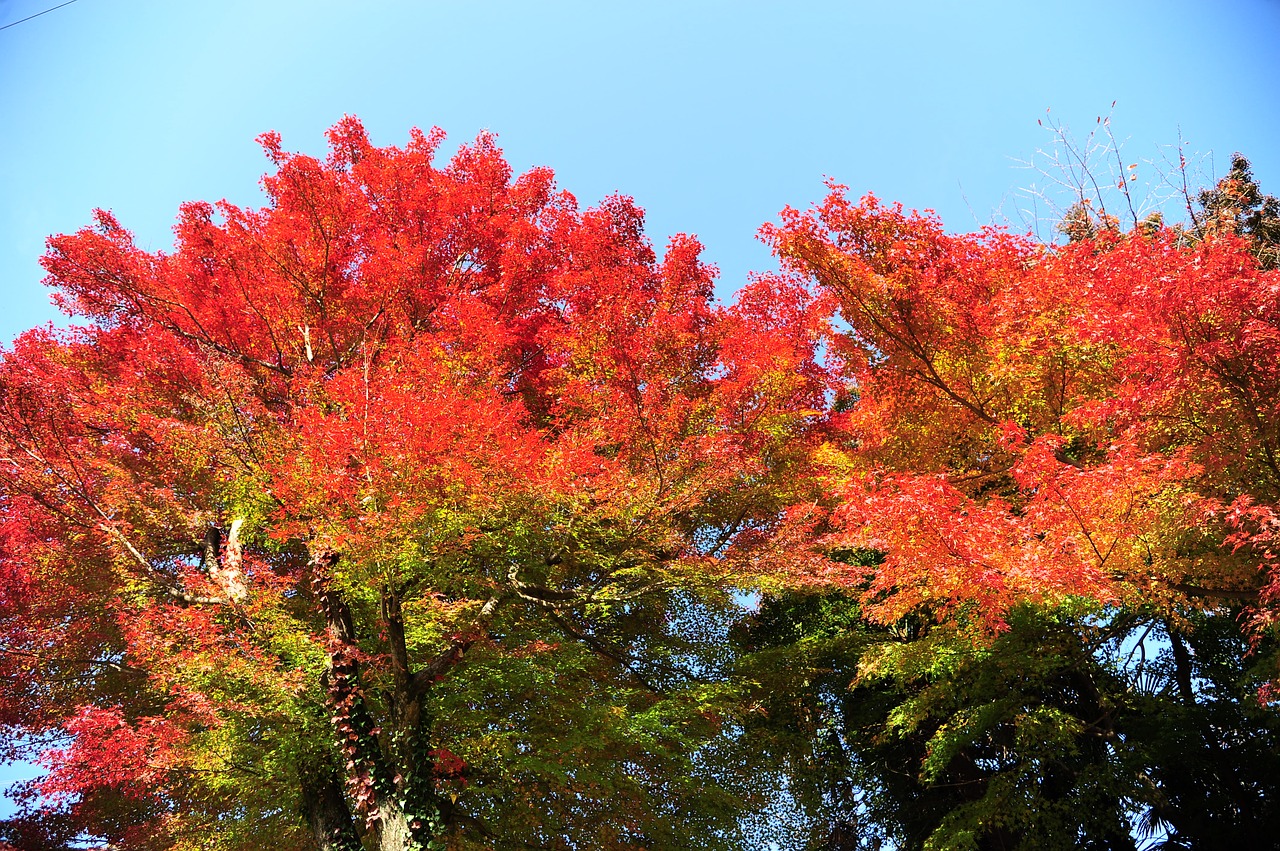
[[1043, 423]]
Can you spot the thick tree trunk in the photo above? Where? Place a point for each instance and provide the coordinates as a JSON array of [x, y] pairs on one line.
[[389, 769], [327, 813], [395, 833]]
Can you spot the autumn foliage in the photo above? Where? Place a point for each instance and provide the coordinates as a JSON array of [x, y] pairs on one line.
[[1041, 457], [261, 505], [1027, 423], [409, 508]]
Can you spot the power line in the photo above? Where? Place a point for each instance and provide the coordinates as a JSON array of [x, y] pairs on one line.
[[37, 14]]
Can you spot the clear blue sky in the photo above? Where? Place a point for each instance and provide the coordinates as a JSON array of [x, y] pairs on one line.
[[713, 115]]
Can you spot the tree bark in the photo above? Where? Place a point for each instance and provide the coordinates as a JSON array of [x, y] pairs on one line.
[[327, 812], [1181, 666], [388, 771]]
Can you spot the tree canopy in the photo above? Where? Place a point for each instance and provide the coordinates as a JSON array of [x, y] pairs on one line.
[[422, 508]]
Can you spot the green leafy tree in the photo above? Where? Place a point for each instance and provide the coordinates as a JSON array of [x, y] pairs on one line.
[[1073, 729]]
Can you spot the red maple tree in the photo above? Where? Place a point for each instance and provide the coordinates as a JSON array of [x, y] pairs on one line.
[[1035, 423], [263, 509]]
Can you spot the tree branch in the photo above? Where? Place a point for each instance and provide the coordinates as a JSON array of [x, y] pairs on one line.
[[422, 680]]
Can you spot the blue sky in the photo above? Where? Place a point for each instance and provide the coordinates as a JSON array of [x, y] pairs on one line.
[[713, 115]]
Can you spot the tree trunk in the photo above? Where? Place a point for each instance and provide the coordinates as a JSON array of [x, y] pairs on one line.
[[327, 812], [388, 767], [1181, 666]]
